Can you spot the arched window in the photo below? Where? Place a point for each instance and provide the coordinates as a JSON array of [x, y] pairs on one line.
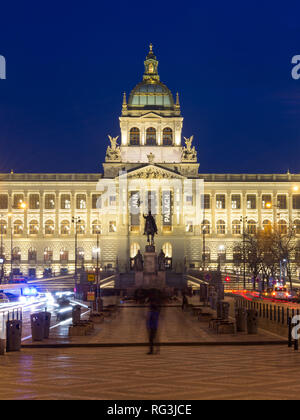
[[3, 227], [96, 227], [282, 227], [49, 227], [48, 255], [151, 136], [236, 227], [18, 227], [221, 227], [64, 256], [267, 226], [168, 250], [206, 227], [134, 248], [81, 227], [297, 226], [65, 227], [33, 227], [32, 255], [251, 227], [16, 255], [134, 137], [167, 137]]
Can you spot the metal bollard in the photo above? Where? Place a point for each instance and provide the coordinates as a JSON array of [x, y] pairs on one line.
[[289, 331]]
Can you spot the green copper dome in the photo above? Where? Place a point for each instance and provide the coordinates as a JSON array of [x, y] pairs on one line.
[[151, 93]]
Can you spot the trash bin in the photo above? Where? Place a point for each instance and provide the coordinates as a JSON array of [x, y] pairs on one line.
[[37, 326], [241, 319], [13, 335], [252, 321], [47, 322], [76, 314], [225, 310]]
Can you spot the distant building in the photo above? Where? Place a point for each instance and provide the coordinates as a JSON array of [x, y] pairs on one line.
[[149, 169]]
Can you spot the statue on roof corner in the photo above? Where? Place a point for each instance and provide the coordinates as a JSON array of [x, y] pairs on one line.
[[113, 153], [189, 153]]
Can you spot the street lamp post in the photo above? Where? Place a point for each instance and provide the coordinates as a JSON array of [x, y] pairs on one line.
[[243, 220], [98, 296], [75, 221]]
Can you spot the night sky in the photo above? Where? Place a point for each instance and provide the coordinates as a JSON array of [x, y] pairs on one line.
[[68, 65]]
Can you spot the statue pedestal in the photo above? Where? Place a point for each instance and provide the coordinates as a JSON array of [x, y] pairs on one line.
[[150, 277]]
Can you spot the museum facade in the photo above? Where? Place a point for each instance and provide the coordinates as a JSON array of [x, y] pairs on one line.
[[44, 218]]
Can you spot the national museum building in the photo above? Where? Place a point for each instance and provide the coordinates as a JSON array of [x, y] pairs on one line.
[[45, 217]]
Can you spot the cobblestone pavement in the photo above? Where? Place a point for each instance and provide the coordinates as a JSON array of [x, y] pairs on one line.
[[263, 372]]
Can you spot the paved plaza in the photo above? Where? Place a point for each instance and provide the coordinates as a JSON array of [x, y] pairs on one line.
[[177, 372], [263, 372]]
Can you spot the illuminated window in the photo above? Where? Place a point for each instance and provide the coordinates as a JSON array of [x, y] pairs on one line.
[[3, 227], [96, 201], [18, 227], [3, 201], [64, 255], [16, 255], [297, 226], [18, 199], [65, 201], [151, 136], [296, 202], [251, 227], [221, 227], [33, 227], [32, 254], [266, 201], [49, 227], [81, 201], [49, 201], [282, 201], [236, 227], [48, 255], [34, 201], [220, 201], [112, 227], [167, 137], [81, 227], [134, 137], [65, 227], [206, 227], [96, 227], [206, 202], [236, 201], [251, 202]]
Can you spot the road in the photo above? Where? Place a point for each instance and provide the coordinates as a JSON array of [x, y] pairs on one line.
[[13, 311]]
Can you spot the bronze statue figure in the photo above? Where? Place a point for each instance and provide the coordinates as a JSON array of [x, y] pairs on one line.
[[162, 261], [138, 262], [150, 228]]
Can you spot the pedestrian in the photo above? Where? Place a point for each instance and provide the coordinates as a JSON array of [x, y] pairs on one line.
[[184, 302], [152, 326]]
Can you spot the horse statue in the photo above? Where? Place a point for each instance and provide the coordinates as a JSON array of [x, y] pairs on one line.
[[150, 228]]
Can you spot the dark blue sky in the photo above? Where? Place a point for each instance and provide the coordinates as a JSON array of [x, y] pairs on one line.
[[69, 63]]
